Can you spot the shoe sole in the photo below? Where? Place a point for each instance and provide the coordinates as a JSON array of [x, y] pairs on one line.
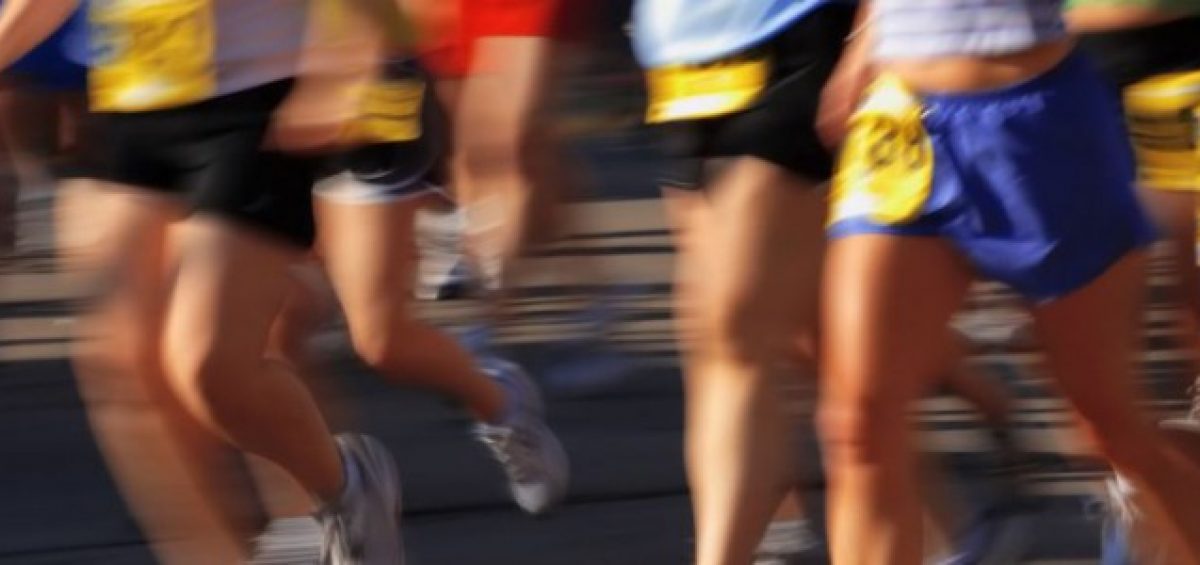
[[558, 457]]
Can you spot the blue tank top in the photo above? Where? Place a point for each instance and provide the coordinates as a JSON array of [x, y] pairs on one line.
[[59, 62], [667, 32]]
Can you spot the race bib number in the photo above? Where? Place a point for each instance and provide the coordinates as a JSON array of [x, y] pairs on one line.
[[390, 112], [692, 92], [886, 168], [151, 54]]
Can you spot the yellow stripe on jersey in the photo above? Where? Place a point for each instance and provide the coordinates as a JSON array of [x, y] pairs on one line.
[[1163, 113], [694, 92], [390, 112], [151, 54]]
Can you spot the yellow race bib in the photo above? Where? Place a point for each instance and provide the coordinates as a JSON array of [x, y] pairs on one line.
[[1163, 114], [151, 54], [692, 92], [886, 167], [390, 112]]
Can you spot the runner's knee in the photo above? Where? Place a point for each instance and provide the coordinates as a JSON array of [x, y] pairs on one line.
[[385, 343], [493, 153], [117, 370], [862, 429], [744, 329], [198, 366]]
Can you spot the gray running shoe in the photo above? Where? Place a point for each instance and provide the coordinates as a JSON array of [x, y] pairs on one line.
[[1191, 421], [532, 457], [786, 542], [363, 528]]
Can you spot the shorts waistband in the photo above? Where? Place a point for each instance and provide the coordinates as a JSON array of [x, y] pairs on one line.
[[259, 99], [1064, 71]]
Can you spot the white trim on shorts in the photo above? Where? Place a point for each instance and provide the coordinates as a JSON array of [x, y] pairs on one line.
[[346, 188]]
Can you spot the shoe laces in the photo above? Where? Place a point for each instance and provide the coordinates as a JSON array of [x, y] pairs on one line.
[[514, 448], [335, 536]]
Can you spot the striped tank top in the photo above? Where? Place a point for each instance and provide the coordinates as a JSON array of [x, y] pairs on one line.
[[933, 28]]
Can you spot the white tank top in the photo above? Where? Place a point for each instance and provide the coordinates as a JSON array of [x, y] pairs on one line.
[[931, 28], [668, 32]]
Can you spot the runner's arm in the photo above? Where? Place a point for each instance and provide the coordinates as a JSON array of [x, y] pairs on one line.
[[341, 54], [845, 86], [26, 23]]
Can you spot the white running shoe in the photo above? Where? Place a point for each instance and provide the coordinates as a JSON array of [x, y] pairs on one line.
[[442, 271], [363, 528], [532, 457]]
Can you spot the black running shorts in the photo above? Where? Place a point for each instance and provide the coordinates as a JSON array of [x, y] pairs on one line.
[[387, 171], [211, 155], [1133, 55], [780, 126], [1158, 70]]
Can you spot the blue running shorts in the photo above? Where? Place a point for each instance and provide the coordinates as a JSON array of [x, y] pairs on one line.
[[1033, 183]]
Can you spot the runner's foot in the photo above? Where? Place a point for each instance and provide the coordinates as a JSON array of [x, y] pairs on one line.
[[533, 459], [363, 527]]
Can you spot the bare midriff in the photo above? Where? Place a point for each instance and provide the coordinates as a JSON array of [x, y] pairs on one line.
[[975, 73], [1099, 17]]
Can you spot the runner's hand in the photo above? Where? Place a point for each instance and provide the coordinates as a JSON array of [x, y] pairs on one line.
[[844, 90], [307, 123], [839, 100]]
